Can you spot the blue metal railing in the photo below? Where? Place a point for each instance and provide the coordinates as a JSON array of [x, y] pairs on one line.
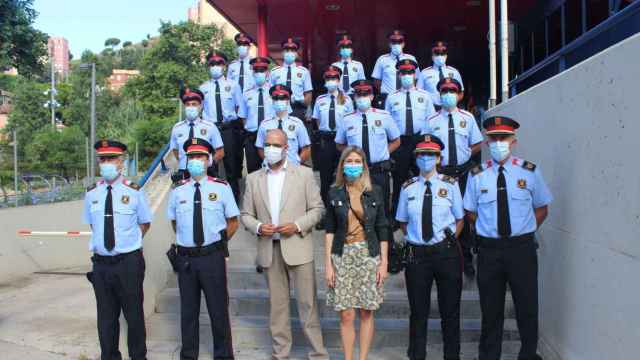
[[157, 161], [616, 28]]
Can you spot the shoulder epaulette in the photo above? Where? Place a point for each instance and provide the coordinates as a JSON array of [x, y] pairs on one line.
[[91, 187], [132, 185], [529, 165], [477, 170], [351, 113], [409, 182], [467, 113], [218, 180], [427, 68], [433, 116], [379, 111], [449, 179], [180, 183], [322, 96], [452, 68], [276, 68]]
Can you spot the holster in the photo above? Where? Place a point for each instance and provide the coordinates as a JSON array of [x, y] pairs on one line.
[[172, 255]]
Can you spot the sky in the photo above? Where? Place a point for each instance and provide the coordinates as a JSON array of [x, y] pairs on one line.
[[88, 23]]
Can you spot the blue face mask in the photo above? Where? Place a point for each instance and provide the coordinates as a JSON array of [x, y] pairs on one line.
[[280, 105], [439, 60], [260, 78], [363, 103], [331, 85], [499, 150], [243, 51], [196, 167], [449, 100], [109, 171], [426, 163], [396, 49], [346, 52], [191, 112], [406, 81], [289, 57], [215, 71], [352, 171]]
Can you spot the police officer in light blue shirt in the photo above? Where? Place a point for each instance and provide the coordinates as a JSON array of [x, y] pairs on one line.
[[204, 215], [352, 70], [220, 108], [429, 78], [410, 107], [430, 215], [384, 71], [239, 70], [194, 126], [295, 77], [119, 215], [294, 128], [507, 199]]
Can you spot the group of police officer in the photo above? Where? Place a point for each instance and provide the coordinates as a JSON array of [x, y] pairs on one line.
[[413, 133]]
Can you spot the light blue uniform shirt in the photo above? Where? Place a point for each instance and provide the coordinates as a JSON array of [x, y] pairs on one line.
[[526, 191], [321, 111], [233, 73], [429, 78], [421, 109], [446, 207], [297, 136], [248, 107], [465, 128], [300, 80], [130, 209], [382, 131], [227, 99], [201, 129], [385, 71], [355, 70], [218, 205]]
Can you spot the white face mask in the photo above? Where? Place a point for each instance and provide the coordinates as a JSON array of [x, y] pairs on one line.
[[499, 150], [273, 154]]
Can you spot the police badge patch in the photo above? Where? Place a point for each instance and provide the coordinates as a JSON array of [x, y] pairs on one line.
[[463, 124], [300, 75], [522, 183], [420, 100], [213, 196], [378, 123], [443, 193], [292, 127], [354, 69], [125, 199], [227, 89], [203, 132]]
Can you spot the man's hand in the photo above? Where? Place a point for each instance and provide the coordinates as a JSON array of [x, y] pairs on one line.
[[287, 229], [267, 229]]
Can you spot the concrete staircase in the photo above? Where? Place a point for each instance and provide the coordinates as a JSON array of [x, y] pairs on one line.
[[249, 307]]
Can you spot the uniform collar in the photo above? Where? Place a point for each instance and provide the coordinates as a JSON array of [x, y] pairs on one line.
[[220, 79], [196, 121], [507, 164], [119, 181], [432, 179], [408, 90], [446, 112], [348, 60]]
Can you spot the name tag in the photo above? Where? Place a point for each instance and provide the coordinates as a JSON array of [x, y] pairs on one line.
[[411, 198]]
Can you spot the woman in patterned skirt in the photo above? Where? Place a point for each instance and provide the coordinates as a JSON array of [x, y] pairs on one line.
[[356, 247]]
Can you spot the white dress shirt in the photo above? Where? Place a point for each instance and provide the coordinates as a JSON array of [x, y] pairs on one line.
[[275, 181]]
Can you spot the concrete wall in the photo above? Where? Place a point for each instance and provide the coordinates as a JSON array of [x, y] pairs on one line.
[[582, 128]]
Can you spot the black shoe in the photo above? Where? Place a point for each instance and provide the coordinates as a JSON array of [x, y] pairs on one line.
[[469, 270]]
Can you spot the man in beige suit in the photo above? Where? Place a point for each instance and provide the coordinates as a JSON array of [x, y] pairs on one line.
[[281, 205]]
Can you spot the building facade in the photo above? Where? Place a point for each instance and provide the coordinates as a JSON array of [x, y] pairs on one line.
[[119, 78], [59, 52]]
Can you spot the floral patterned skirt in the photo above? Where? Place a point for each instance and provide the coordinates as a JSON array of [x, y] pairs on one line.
[[355, 279]]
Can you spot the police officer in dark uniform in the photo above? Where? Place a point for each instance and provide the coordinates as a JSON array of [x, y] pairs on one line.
[[507, 200], [119, 215], [431, 217], [220, 108], [204, 215]]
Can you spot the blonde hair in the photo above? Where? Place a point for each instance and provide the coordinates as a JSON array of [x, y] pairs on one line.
[[364, 181]]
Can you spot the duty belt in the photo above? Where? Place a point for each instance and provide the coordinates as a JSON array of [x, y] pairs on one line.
[[418, 252], [111, 260], [457, 171], [227, 125], [327, 134], [505, 242], [380, 166], [201, 250]]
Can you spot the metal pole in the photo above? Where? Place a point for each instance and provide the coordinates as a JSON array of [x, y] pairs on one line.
[[180, 109], [493, 61], [15, 165], [504, 49], [136, 158], [93, 122], [88, 156], [52, 93]]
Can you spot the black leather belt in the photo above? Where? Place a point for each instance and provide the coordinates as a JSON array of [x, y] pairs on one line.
[[417, 251], [505, 242], [327, 134], [110, 260], [228, 125], [200, 250], [457, 171], [380, 166]]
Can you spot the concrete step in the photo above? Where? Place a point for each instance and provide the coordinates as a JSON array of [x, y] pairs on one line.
[[246, 278], [170, 350], [253, 332], [395, 306]]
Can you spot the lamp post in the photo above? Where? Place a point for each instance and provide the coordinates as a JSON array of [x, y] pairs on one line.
[[92, 66]]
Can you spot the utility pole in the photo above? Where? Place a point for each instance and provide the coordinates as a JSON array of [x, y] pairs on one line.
[[504, 48], [87, 154], [493, 61], [93, 122], [53, 95], [15, 165]]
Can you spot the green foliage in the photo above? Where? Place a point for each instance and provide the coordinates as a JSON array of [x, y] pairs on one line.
[[8, 82], [126, 44], [21, 45], [151, 135], [112, 42], [28, 114], [57, 152]]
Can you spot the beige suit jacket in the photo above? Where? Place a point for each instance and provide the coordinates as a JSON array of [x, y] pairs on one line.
[[301, 204]]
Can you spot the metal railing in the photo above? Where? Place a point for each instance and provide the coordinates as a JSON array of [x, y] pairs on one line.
[[616, 28], [157, 161]]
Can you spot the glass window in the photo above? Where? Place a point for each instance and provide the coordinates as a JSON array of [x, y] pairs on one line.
[[555, 31], [597, 12], [525, 51], [539, 43], [573, 19]]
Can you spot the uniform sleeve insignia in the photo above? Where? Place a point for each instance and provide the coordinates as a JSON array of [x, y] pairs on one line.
[[203, 132], [133, 185], [529, 165], [125, 199], [463, 124], [409, 182], [378, 123], [443, 192], [213, 196], [522, 183], [477, 170], [420, 100], [292, 127], [449, 179], [91, 187]]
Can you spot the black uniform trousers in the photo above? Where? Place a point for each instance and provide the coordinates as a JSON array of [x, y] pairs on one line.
[[117, 283], [232, 134], [379, 101], [443, 267], [197, 274], [466, 237], [327, 158], [254, 161], [404, 166], [512, 261]]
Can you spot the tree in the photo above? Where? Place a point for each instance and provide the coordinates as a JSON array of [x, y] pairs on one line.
[[21, 45], [151, 135], [29, 114], [126, 44], [53, 152], [112, 42]]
